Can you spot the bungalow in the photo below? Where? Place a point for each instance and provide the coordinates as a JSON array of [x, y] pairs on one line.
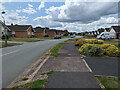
[[101, 30], [39, 32], [116, 30], [51, 33], [107, 29], [60, 32], [93, 33], [21, 31], [2, 29]]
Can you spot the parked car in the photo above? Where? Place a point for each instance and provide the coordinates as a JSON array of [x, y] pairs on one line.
[[106, 35], [57, 37], [72, 36]]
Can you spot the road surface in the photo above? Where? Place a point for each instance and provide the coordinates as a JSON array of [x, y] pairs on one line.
[[15, 59]]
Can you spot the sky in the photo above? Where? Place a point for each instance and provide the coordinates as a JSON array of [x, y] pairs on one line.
[[73, 15]]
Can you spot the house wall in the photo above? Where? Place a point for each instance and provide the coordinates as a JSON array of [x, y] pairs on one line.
[[51, 34], [39, 34], [21, 34]]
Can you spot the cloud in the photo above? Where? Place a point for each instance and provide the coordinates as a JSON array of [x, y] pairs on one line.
[[14, 17], [29, 9], [1, 6], [83, 12], [41, 6], [30, 5], [46, 21]]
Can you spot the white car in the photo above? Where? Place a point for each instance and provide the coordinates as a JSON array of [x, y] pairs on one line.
[[106, 35]]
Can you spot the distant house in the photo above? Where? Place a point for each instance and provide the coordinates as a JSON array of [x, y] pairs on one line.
[[116, 30], [93, 33], [21, 31], [107, 29], [2, 29], [101, 30], [39, 32], [51, 33]]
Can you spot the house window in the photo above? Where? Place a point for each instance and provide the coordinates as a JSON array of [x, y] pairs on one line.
[[13, 32], [32, 33], [28, 32]]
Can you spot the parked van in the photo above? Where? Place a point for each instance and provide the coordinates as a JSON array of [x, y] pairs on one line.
[[106, 35]]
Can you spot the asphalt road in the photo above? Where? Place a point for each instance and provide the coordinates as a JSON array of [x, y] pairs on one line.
[[106, 66], [15, 59]]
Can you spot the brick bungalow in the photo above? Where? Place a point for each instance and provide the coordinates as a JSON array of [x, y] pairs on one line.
[[51, 33], [21, 31], [116, 30], [39, 32]]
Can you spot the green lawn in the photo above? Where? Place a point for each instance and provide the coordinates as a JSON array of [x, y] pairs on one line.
[[32, 85], [109, 82], [9, 44], [20, 39]]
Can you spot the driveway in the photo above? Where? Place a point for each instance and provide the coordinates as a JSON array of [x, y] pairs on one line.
[[106, 66]]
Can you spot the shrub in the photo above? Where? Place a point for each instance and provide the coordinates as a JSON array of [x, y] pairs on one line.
[[104, 46], [94, 41], [93, 51], [82, 47], [80, 42], [112, 51]]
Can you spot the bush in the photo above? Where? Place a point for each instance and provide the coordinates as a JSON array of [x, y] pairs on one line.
[[94, 41], [112, 51], [82, 47], [104, 46], [92, 51], [80, 42]]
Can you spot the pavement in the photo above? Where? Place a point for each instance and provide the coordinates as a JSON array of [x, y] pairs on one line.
[[74, 72], [104, 66]]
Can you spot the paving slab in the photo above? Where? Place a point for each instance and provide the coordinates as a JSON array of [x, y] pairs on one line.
[[72, 80]]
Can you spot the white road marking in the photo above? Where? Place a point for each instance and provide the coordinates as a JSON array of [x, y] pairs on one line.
[[10, 52]]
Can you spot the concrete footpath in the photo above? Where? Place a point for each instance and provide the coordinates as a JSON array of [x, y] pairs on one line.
[[74, 72]]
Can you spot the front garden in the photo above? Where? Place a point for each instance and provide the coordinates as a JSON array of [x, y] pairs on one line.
[[95, 47]]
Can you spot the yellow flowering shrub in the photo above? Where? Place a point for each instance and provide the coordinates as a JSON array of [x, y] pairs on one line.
[[112, 51], [80, 41], [104, 46], [82, 47], [94, 41]]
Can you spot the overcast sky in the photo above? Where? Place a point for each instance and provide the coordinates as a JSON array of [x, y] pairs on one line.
[[71, 15]]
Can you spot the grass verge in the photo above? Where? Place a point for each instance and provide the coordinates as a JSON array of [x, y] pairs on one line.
[[20, 39], [9, 44], [35, 84], [48, 73], [109, 82], [54, 51]]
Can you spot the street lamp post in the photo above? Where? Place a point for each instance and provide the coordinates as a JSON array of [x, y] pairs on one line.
[[4, 29]]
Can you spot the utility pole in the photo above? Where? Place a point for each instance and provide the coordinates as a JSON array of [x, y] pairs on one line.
[[5, 32]]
